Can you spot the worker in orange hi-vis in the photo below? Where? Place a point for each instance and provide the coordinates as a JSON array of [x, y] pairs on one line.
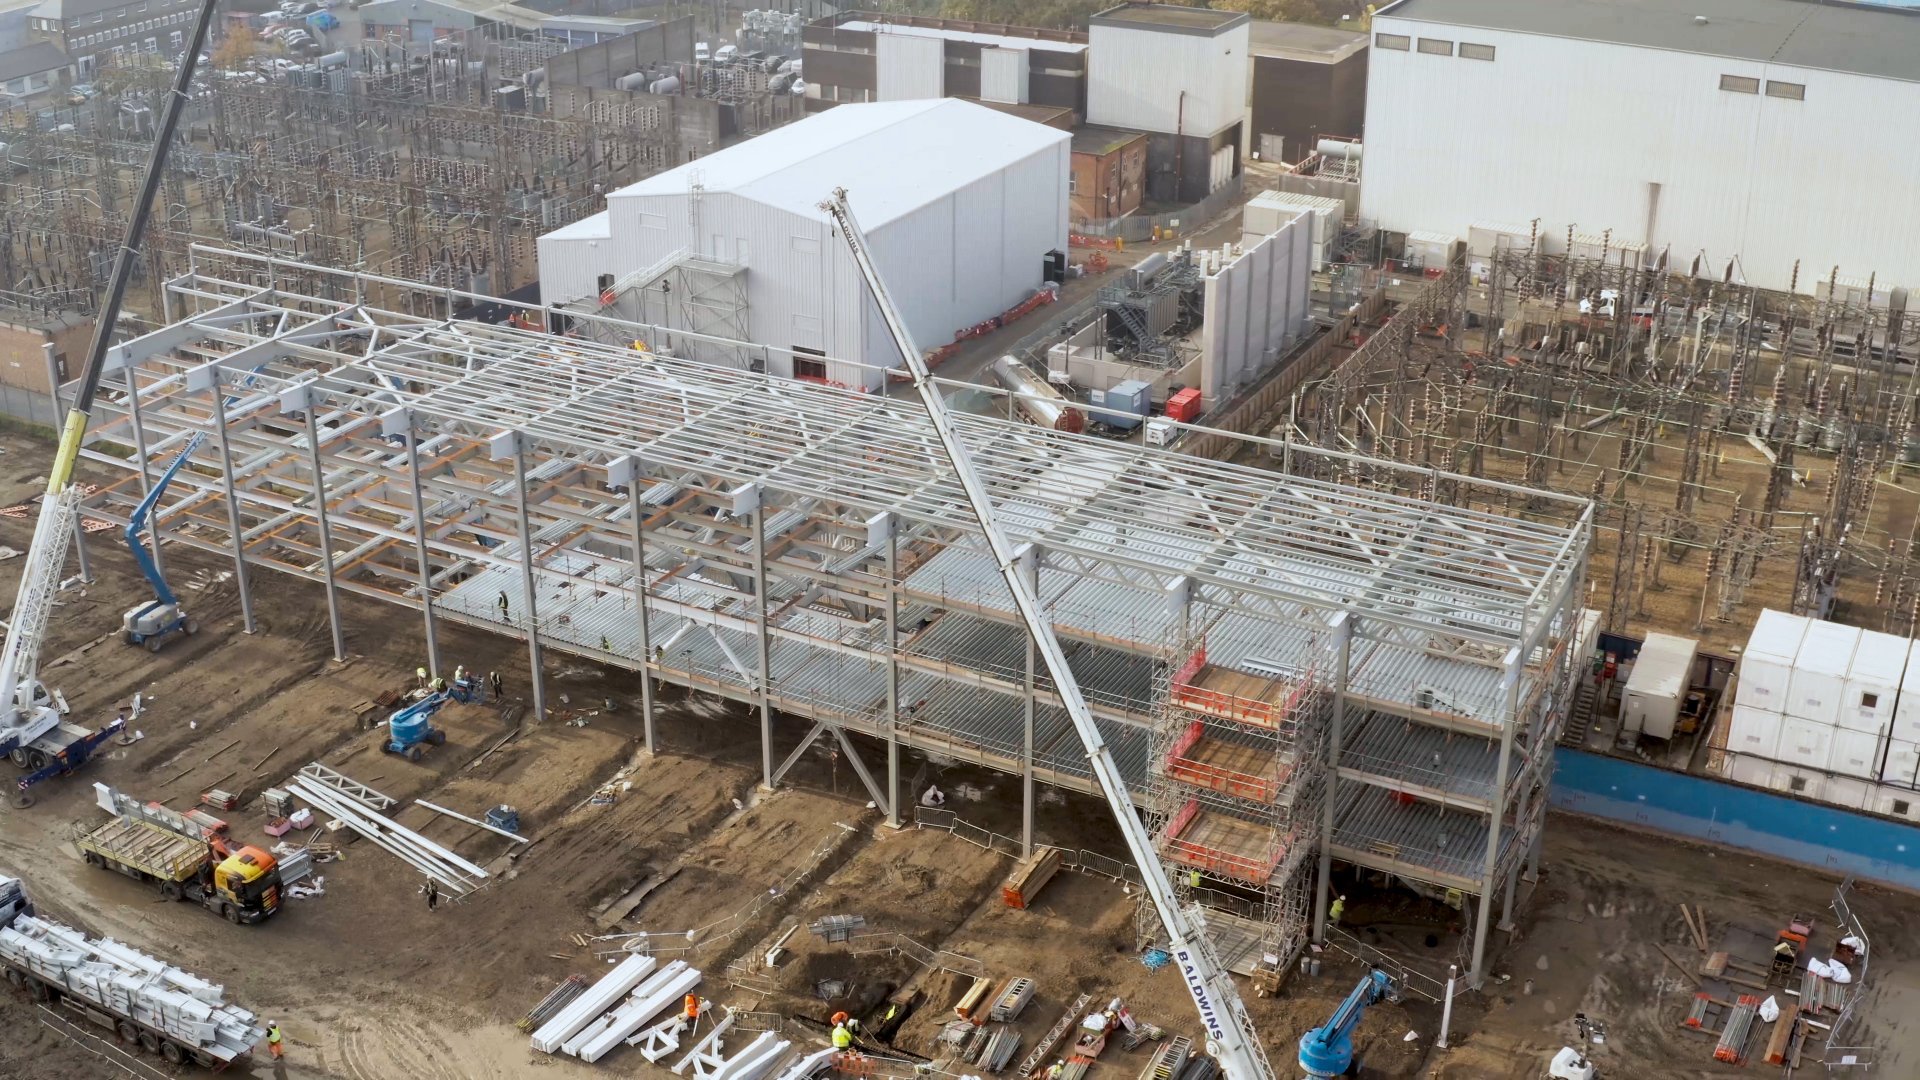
[[273, 1040], [693, 1007]]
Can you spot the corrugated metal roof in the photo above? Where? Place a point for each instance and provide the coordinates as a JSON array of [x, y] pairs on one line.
[[893, 157], [34, 59], [1863, 39], [592, 227]]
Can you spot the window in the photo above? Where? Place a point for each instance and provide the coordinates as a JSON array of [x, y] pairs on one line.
[[1798, 783], [605, 284], [1396, 42], [1900, 807], [1739, 84], [1470, 51], [805, 366], [174, 40], [1791, 90], [1436, 46], [1073, 184], [1869, 701]]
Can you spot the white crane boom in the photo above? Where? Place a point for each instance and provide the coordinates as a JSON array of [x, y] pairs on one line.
[[26, 714], [1230, 1037]]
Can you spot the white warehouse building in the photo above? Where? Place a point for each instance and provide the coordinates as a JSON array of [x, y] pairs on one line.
[[1750, 133], [963, 207]]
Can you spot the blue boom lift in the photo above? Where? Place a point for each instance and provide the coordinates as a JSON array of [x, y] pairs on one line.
[[160, 619], [410, 730], [1327, 1051]]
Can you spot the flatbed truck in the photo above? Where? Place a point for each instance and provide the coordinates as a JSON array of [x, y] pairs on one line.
[[98, 981], [242, 885]]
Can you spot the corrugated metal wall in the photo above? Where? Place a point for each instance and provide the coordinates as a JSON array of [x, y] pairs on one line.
[[1254, 309], [570, 266], [909, 67], [1747, 175], [1003, 75], [1135, 80], [953, 263]]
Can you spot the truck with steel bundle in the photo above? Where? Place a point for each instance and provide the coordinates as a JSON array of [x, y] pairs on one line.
[[150, 843], [166, 1011]]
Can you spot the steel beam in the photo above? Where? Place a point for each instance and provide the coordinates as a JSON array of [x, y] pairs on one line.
[[233, 502]]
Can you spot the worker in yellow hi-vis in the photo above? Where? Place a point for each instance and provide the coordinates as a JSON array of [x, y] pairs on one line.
[[1338, 909]]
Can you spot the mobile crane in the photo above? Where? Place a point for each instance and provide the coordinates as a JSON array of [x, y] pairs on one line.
[[31, 730], [1327, 1051], [1230, 1037]]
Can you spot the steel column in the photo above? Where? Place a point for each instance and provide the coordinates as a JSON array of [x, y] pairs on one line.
[[1343, 624], [760, 626], [529, 604], [893, 672], [420, 544], [146, 471], [1513, 871], [638, 511], [1478, 976], [326, 532], [233, 501], [1029, 557]]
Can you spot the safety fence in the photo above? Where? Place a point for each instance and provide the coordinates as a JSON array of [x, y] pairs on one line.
[[1135, 228]]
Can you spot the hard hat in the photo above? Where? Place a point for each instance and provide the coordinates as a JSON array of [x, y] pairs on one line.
[[841, 1018]]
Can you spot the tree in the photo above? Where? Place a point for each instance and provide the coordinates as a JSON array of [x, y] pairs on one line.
[[234, 51]]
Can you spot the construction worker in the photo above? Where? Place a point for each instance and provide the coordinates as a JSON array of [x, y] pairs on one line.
[[273, 1040], [1338, 909], [502, 605], [842, 1038], [1054, 1070], [692, 1012], [438, 685], [432, 891], [493, 680], [459, 673], [1193, 879], [421, 674]]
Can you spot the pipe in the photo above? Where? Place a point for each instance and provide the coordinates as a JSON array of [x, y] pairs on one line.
[[1446, 1007]]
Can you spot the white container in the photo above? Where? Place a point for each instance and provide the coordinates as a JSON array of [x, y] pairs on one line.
[[1848, 793], [1873, 682], [1906, 712], [1753, 732], [1651, 701], [1896, 802], [1856, 753], [1901, 764], [1750, 770], [1820, 672], [1806, 783], [1766, 666], [1806, 744]]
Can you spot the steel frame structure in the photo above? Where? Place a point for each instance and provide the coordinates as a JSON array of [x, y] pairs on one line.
[[806, 549]]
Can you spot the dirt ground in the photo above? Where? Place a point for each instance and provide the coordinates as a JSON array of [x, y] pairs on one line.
[[370, 985]]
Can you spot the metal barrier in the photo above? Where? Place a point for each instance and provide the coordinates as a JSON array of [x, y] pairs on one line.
[[1138, 227], [1409, 980]]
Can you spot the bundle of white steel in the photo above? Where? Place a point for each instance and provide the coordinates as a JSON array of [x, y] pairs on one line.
[[757, 1058], [707, 1054], [426, 856], [645, 1003], [662, 1038], [807, 1066], [592, 1002], [128, 982]]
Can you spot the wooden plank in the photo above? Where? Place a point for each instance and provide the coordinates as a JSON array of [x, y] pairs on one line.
[[1782, 1036]]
